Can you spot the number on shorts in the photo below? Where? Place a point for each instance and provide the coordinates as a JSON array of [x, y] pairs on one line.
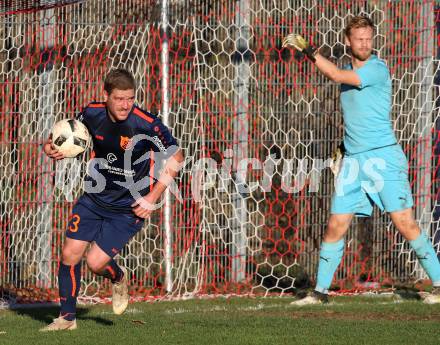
[[74, 221]]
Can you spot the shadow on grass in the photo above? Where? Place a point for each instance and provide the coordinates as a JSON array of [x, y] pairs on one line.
[[47, 314], [404, 293], [408, 294]]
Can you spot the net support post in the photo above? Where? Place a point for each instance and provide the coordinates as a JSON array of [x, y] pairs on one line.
[[45, 122], [240, 139], [424, 122], [165, 117]]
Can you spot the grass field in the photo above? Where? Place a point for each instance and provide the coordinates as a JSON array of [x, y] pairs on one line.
[[347, 320]]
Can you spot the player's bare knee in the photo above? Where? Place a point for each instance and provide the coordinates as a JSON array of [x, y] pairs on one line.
[[333, 233], [333, 226], [407, 227], [336, 228], [94, 265], [91, 264], [70, 257], [336, 225]]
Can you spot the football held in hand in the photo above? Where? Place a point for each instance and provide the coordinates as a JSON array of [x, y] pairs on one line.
[[70, 137]]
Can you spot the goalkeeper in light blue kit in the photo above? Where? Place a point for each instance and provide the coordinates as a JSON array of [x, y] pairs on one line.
[[374, 168]]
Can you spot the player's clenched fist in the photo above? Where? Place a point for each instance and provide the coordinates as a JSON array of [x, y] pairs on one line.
[[300, 44]]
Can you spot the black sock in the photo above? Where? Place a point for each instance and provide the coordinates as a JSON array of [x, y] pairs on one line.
[[112, 271], [69, 283]]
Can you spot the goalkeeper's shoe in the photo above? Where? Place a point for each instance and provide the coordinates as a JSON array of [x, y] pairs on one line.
[[60, 324], [433, 297], [314, 298], [120, 294]]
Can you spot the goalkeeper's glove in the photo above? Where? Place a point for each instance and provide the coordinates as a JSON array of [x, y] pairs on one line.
[[337, 157], [300, 44]]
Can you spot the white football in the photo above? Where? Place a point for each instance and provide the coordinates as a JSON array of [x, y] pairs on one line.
[[70, 137]]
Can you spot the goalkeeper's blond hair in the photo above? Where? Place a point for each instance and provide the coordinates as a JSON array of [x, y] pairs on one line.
[[358, 22]]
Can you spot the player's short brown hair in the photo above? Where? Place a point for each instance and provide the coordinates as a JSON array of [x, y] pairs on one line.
[[358, 22], [120, 79]]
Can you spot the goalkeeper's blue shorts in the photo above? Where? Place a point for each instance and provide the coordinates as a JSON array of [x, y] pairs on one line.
[[109, 230], [378, 176]]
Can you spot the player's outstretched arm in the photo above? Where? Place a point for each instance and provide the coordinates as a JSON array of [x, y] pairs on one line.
[[51, 151], [144, 206], [325, 66]]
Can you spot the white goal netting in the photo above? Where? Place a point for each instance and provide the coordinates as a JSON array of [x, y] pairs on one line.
[[233, 93]]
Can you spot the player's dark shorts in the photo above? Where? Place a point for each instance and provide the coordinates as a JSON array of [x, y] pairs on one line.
[[110, 230]]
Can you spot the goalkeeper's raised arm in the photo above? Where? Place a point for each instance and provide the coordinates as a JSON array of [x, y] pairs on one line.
[[359, 37]]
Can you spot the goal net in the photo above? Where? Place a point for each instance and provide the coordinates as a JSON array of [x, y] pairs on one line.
[[256, 123]]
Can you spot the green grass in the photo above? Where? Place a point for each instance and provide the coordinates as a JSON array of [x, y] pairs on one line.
[[347, 320]]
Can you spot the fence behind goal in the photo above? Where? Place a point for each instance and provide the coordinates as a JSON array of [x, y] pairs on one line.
[[220, 79]]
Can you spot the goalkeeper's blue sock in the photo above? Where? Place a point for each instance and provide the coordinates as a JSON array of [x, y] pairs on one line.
[[112, 271], [427, 257], [69, 282], [330, 257]]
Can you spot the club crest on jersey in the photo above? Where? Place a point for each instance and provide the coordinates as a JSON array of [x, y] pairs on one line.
[[125, 143]]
